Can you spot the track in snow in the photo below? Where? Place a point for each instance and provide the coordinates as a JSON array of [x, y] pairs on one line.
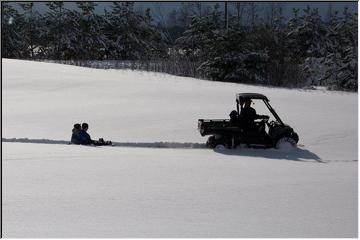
[[116, 144], [298, 154]]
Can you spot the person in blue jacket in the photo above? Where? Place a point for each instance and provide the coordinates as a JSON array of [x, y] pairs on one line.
[[84, 137], [75, 137]]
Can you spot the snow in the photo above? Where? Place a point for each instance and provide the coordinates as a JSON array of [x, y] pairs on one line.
[[159, 180]]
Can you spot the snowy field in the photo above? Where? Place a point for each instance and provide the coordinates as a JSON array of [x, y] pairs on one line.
[[159, 181]]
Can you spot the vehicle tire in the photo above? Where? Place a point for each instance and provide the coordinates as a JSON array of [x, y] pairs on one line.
[[285, 143], [211, 142], [217, 143], [220, 147]]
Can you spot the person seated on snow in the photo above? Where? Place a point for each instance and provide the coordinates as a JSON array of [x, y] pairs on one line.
[[85, 138], [248, 115], [75, 137]]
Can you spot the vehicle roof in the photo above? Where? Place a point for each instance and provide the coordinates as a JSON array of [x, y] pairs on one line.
[[251, 96]]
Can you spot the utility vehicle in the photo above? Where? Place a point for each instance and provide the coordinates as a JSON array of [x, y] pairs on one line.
[[230, 133]]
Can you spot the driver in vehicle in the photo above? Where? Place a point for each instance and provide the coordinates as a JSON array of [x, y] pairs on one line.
[[248, 115]]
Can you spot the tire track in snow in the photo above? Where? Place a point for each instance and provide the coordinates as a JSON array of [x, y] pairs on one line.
[[298, 154], [115, 144], [339, 160]]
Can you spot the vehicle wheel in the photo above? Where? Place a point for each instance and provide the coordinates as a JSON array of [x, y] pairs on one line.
[[220, 147], [285, 143], [211, 142]]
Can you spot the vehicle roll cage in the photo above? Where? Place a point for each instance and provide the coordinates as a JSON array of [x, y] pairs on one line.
[[241, 97]]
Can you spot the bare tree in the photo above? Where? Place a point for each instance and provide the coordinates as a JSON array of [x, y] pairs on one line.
[[329, 13], [273, 13], [159, 12], [270, 13], [198, 6], [172, 18], [252, 13], [185, 13], [240, 8], [226, 14]]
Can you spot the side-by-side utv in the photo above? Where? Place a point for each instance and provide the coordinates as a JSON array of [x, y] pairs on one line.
[[230, 133]]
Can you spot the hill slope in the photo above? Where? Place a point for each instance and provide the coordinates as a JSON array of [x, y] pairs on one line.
[[56, 190]]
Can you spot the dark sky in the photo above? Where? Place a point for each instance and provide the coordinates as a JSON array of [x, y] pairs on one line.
[[161, 9]]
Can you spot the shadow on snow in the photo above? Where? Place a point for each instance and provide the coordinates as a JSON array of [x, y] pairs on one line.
[[297, 154]]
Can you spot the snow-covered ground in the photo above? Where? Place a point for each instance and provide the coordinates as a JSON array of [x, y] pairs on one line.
[[141, 190]]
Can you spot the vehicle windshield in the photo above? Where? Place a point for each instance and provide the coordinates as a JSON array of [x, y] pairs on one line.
[[261, 109]]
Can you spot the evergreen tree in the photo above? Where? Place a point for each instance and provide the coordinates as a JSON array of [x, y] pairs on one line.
[[197, 39], [341, 59], [90, 42], [306, 35], [233, 58], [30, 31], [306, 44], [323, 52], [11, 38], [56, 32], [132, 35]]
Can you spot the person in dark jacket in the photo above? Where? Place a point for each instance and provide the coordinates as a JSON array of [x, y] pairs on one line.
[[75, 137], [84, 137], [234, 118], [248, 115]]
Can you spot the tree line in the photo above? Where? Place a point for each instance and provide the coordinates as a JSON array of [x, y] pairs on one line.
[[305, 50]]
